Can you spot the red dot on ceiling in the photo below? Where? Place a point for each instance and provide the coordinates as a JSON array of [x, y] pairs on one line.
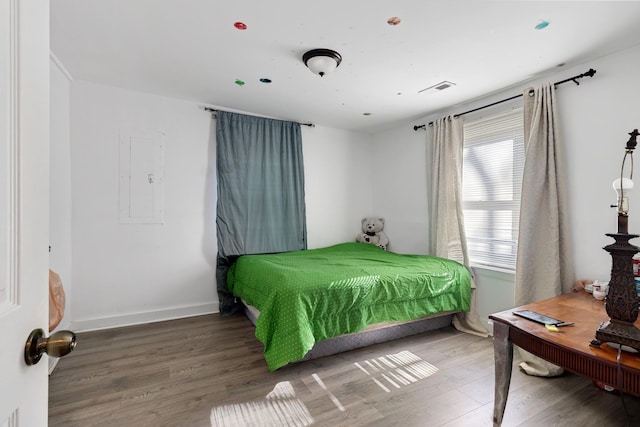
[[240, 25]]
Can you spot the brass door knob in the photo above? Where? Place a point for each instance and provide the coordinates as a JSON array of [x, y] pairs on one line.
[[58, 344]]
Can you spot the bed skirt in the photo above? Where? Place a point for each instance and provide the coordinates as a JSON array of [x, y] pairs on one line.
[[373, 334]]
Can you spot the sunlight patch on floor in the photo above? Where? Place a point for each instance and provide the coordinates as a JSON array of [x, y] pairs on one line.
[[396, 370], [280, 408], [333, 398]]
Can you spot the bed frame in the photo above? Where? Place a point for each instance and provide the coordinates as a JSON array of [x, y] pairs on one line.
[[373, 334]]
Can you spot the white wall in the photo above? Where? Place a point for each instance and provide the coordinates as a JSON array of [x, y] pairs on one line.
[[338, 187], [594, 117], [60, 183], [132, 273], [400, 188]]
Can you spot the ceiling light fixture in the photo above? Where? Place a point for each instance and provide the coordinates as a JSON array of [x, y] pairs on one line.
[[322, 61]]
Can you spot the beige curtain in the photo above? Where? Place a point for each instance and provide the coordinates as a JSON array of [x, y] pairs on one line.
[[447, 237], [544, 267]]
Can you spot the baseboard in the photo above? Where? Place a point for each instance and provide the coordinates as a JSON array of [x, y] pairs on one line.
[[86, 325], [53, 361], [489, 325]]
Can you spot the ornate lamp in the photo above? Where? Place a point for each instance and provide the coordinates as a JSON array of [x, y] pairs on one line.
[[622, 299]]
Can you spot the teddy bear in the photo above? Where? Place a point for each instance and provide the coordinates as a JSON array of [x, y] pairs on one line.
[[372, 232]]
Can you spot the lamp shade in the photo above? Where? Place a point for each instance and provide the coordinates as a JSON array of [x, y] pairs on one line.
[[322, 61]]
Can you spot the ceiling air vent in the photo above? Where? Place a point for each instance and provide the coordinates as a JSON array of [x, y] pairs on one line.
[[438, 86]]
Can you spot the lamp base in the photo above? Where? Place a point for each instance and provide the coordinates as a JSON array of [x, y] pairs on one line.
[[615, 331], [622, 302]]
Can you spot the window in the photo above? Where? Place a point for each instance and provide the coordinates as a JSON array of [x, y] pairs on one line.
[[492, 180]]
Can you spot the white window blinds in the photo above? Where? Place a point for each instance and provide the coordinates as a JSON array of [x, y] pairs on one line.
[[492, 181]]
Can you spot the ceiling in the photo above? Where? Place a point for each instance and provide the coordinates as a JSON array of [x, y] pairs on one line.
[[191, 50]]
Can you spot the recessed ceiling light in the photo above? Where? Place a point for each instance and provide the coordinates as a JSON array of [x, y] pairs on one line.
[[542, 24]]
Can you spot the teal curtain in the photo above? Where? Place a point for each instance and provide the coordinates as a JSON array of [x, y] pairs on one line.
[[260, 206]]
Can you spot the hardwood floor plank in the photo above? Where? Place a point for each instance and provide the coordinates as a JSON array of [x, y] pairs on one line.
[[175, 373]]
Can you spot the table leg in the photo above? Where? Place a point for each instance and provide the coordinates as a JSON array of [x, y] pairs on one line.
[[503, 355]]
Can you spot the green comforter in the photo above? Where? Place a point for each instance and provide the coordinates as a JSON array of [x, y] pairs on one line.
[[311, 295]]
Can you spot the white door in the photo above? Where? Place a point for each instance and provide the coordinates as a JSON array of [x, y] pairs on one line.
[[24, 206]]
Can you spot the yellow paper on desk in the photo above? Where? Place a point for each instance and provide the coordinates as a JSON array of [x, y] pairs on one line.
[[552, 328]]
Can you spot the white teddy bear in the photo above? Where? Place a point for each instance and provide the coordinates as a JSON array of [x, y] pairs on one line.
[[372, 232]]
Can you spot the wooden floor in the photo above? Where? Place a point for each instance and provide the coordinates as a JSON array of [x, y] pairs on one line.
[[178, 373]]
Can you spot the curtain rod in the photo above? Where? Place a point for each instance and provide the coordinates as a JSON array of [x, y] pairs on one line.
[[213, 110], [574, 79]]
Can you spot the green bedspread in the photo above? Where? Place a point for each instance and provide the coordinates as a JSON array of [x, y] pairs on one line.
[[311, 295]]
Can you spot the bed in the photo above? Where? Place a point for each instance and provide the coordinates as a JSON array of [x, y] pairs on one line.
[[303, 299]]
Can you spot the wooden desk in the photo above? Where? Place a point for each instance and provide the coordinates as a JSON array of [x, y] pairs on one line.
[[568, 348]]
